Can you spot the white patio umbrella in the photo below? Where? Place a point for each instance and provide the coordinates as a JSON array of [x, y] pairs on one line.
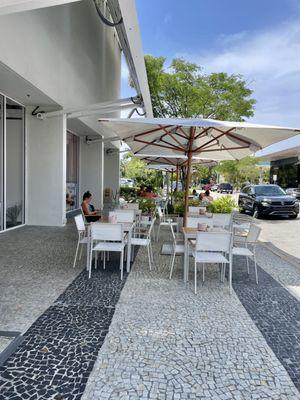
[[203, 138]]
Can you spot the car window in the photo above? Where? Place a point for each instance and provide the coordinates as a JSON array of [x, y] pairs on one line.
[[269, 191], [246, 189]]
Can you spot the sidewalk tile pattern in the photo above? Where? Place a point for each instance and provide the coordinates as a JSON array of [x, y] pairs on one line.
[[276, 313], [60, 348]]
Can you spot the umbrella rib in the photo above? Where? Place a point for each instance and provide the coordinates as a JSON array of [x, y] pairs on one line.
[[225, 148], [214, 139], [152, 144], [202, 133], [151, 131], [173, 145]]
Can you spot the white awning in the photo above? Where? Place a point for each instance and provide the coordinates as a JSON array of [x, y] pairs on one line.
[[13, 6]]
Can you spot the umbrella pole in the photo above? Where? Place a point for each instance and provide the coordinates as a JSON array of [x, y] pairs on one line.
[[188, 174]]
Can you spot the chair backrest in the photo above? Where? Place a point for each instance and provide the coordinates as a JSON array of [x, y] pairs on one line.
[[131, 206], [79, 223], [214, 241], [192, 222], [253, 234], [125, 215], [107, 232], [222, 220]]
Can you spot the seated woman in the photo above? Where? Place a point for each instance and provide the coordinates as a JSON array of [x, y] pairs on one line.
[[88, 209], [149, 194]]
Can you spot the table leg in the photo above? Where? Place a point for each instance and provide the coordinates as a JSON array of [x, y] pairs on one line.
[[185, 260], [88, 248], [129, 250]]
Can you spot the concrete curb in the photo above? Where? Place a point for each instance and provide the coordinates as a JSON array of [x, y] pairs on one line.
[[282, 254]]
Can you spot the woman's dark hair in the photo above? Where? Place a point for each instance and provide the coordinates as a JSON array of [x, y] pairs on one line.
[[86, 195], [149, 189], [207, 192], [194, 191]]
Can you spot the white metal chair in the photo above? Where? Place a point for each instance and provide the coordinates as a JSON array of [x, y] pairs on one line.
[[82, 238], [145, 241], [107, 238], [178, 249], [192, 222], [250, 247], [222, 220], [163, 220], [124, 216], [213, 248]]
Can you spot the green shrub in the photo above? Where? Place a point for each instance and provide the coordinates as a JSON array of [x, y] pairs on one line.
[[146, 205], [222, 205], [129, 193]]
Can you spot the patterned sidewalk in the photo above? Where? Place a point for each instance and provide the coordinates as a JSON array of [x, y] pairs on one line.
[[166, 343]]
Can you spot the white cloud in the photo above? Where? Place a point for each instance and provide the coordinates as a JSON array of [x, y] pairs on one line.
[[270, 62]]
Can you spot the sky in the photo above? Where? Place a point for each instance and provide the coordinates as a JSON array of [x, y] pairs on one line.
[[259, 39]]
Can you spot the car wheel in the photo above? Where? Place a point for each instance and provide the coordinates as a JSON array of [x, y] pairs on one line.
[[242, 210], [256, 212], [293, 216]]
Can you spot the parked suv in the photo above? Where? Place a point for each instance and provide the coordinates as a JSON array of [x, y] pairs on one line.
[[267, 200], [225, 188]]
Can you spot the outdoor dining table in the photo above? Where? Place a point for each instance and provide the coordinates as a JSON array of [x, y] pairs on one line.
[[191, 234], [128, 228]]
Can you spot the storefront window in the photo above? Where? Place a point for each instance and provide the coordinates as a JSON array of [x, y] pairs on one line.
[[14, 163], [72, 202]]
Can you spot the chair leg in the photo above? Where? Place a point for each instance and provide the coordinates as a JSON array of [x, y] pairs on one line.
[[149, 256], [121, 263], [158, 229], [230, 277], [172, 265], [80, 253], [151, 253], [255, 267], [76, 252], [195, 278], [108, 256], [90, 263], [104, 260], [247, 265], [203, 272], [96, 259]]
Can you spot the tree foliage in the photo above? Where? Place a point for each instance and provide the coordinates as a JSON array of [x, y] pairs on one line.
[[184, 91], [134, 168], [242, 171]]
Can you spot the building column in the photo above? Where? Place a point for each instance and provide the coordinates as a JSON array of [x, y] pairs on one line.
[[112, 171], [45, 201], [91, 171]]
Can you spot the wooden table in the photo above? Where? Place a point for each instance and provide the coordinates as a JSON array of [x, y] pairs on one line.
[[127, 228], [191, 234]]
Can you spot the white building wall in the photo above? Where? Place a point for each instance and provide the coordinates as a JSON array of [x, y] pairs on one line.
[[72, 58], [46, 171], [65, 51]]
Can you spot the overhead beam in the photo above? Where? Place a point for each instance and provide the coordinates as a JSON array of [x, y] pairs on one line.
[[14, 6]]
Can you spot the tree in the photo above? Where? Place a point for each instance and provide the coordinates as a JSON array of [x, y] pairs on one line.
[[240, 172], [183, 90], [134, 168]]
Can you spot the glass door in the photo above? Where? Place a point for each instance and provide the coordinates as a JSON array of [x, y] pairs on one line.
[[1, 161], [14, 163]]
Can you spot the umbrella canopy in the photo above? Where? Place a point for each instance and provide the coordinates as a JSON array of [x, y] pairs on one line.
[[204, 138], [211, 139]]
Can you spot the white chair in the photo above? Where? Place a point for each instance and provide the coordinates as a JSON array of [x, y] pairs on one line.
[[145, 241], [222, 220], [107, 238], [82, 238], [177, 249], [163, 220], [213, 248], [250, 247], [192, 222], [124, 216]]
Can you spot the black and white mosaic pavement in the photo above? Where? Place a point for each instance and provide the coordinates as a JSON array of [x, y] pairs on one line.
[[276, 313], [60, 348]]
